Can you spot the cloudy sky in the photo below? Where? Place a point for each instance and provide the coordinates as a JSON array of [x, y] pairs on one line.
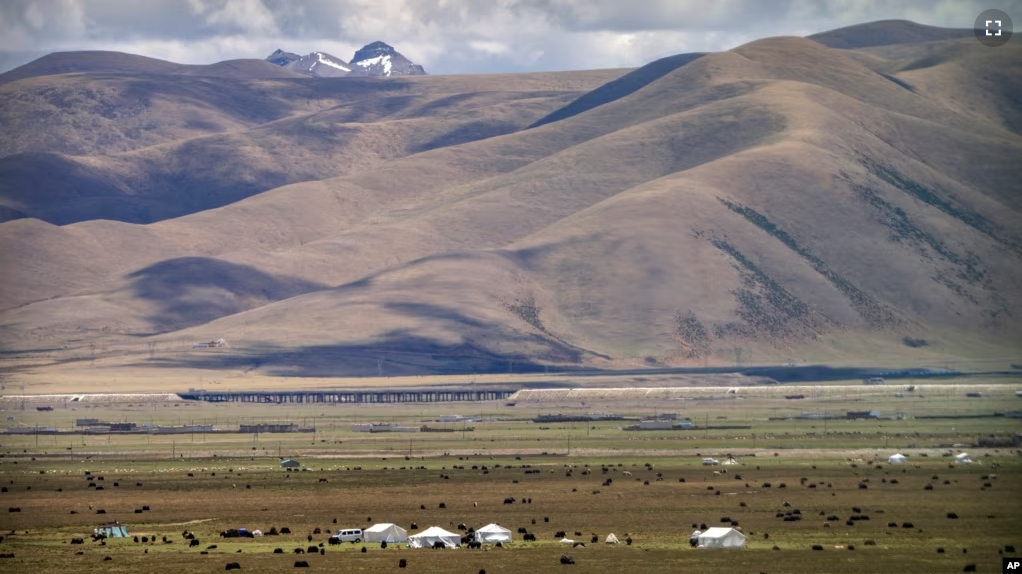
[[446, 36]]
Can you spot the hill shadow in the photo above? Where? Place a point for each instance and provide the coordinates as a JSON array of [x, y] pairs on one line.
[[399, 352], [619, 88], [466, 133], [195, 290]]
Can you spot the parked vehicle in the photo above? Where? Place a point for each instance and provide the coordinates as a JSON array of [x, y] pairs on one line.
[[349, 535]]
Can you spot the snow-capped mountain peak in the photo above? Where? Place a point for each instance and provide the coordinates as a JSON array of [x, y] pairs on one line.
[[316, 64], [381, 59], [375, 59]]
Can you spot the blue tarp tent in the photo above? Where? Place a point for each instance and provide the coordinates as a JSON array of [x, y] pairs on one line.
[[113, 531]]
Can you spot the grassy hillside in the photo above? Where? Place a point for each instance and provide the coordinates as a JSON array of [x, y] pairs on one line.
[[781, 201], [143, 143]]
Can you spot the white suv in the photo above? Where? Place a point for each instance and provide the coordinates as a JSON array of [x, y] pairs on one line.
[[352, 535]]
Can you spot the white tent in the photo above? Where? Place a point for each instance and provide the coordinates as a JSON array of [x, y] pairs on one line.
[[493, 533], [385, 532], [433, 534], [721, 538], [611, 539], [897, 459], [963, 458]]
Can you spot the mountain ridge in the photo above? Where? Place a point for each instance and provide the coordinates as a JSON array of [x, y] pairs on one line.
[[372, 60], [780, 201]]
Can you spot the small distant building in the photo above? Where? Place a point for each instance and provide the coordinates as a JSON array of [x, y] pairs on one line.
[[655, 425], [665, 417], [683, 425], [290, 463], [605, 417], [269, 428], [382, 427], [873, 414], [449, 418], [210, 344], [122, 427], [814, 416], [183, 429]]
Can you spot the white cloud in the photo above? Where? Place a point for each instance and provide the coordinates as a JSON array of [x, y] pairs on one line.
[[251, 16], [489, 47]]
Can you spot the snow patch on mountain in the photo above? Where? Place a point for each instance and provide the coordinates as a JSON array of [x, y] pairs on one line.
[[323, 60], [378, 60]]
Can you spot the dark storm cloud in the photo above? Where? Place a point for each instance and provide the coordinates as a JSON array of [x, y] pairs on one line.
[[447, 36]]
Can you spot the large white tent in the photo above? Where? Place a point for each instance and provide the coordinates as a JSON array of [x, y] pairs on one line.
[[963, 458], [385, 532], [721, 538], [897, 459], [433, 534], [493, 533]]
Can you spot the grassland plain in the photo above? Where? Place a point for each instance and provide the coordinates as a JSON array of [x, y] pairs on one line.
[[818, 467]]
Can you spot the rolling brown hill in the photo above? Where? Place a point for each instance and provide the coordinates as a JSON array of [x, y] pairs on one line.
[[783, 200], [142, 147]]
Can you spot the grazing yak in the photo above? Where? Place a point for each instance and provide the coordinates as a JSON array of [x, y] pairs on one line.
[[233, 566], [565, 559]]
